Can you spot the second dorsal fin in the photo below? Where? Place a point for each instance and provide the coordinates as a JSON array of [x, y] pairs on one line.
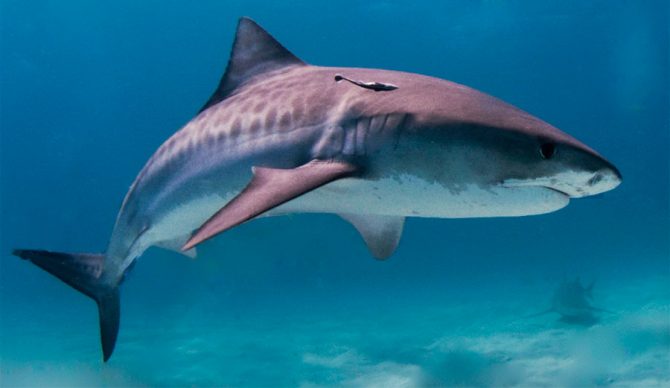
[[254, 52]]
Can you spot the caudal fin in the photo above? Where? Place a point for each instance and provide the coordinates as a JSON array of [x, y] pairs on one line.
[[83, 271]]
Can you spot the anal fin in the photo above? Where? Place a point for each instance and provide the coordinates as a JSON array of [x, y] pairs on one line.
[[381, 233], [268, 189]]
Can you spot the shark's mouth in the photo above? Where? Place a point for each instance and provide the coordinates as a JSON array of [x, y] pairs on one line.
[[541, 196], [518, 198], [574, 184], [515, 184], [556, 190]]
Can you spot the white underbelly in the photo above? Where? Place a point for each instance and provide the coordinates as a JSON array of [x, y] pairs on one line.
[[410, 196], [404, 196]]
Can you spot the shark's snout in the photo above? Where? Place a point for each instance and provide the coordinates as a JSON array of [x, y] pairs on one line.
[[584, 184], [596, 176], [578, 171], [604, 180], [575, 182]]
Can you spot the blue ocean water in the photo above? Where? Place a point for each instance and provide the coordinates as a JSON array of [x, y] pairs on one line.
[[89, 90]]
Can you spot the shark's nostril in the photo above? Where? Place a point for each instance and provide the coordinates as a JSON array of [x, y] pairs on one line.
[[595, 179]]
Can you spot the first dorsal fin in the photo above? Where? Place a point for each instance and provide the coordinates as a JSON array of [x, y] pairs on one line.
[[254, 52]]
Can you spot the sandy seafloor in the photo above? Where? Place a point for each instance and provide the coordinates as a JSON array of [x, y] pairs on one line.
[[388, 338]]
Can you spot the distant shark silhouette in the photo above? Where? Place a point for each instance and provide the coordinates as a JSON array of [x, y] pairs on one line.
[[573, 302], [280, 136]]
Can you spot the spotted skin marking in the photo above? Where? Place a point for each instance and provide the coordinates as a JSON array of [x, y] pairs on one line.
[[255, 126], [236, 128], [285, 121], [297, 105], [259, 107], [271, 118]]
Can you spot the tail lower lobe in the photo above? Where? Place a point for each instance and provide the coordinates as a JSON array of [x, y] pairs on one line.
[[83, 272]]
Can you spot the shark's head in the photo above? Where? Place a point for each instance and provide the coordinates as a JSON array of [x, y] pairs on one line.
[[556, 161], [539, 158], [537, 164], [523, 164]]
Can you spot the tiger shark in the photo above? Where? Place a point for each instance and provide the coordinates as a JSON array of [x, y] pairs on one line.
[[374, 146]]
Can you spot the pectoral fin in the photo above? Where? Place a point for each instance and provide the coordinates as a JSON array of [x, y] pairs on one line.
[[381, 233], [268, 189]]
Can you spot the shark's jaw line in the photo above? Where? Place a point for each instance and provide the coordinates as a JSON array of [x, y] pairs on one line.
[[533, 184], [374, 146], [557, 190], [574, 184]]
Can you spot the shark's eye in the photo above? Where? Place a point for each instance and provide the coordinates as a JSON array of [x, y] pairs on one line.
[[547, 150]]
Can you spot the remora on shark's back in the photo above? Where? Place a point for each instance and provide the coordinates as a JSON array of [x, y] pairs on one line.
[[374, 146]]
